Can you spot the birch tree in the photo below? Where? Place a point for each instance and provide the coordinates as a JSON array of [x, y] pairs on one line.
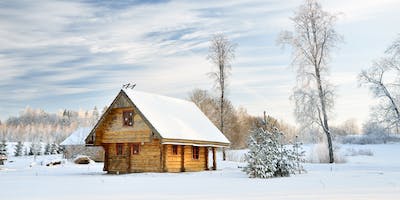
[[221, 54], [312, 42], [382, 78]]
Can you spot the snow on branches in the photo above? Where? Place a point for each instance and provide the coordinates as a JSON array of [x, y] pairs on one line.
[[268, 157]]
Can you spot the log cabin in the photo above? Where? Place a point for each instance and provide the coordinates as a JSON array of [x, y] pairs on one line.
[[144, 132]]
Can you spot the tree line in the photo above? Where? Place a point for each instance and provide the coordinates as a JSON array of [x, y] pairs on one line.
[[37, 125]]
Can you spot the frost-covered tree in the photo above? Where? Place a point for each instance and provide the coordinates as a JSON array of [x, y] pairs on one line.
[[299, 156], [18, 149], [262, 158], [54, 148], [26, 152], [221, 54], [3, 148], [382, 78], [268, 157], [95, 116], [312, 42], [34, 149], [47, 149]]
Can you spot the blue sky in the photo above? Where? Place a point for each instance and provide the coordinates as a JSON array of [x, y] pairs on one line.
[[77, 54]]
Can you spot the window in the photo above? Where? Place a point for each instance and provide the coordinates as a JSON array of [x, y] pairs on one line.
[[195, 153], [135, 149], [175, 149], [120, 149], [128, 117]]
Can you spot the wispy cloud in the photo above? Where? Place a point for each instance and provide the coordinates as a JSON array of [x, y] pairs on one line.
[[57, 54]]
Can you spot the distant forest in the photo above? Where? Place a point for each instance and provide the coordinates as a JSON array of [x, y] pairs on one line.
[[37, 125]]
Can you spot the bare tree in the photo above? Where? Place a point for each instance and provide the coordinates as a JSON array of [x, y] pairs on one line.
[[312, 41], [221, 54], [383, 80]]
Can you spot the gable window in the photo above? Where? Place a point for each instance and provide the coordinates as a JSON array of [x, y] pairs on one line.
[[135, 149], [120, 149], [175, 149], [195, 152], [127, 117]]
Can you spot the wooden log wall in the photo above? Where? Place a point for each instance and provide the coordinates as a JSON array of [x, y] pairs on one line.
[[173, 163], [148, 159]]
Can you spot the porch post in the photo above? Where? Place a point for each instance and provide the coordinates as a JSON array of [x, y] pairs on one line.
[[214, 167], [206, 155], [182, 158]]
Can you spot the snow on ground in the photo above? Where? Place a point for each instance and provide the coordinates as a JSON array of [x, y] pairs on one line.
[[362, 177]]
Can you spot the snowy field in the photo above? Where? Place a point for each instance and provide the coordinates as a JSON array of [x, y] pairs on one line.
[[361, 177]]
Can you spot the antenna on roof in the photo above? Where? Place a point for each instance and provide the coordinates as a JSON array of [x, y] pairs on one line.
[[129, 86]]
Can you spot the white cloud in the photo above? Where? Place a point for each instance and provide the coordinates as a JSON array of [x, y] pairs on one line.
[[55, 48]]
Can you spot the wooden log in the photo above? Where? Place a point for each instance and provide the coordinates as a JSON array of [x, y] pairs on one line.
[[182, 158], [214, 167], [206, 155]]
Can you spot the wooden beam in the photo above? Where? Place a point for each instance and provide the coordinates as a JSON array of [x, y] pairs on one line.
[[206, 156], [214, 167], [161, 157], [129, 157], [106, 155], [182, 158], [165, 157]]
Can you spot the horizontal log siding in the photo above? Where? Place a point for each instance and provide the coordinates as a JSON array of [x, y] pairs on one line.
[[148, 159], [112, 129]]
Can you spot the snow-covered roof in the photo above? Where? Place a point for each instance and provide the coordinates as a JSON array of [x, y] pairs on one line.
[[175, 119], [77, 137]]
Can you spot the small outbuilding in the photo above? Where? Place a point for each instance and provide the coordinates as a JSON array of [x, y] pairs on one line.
[[143, 132], [74, 145]]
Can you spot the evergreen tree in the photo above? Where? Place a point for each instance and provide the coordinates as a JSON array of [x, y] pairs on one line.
[[268, 157], [26, 151], [47, 149], [299, 156], [33, 149], [3, 148], [95, 114], [54, 148], [18, 149], [262, 156]]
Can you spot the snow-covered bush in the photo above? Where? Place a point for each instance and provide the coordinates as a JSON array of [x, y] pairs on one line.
[[374, 138], [82, 159], [358, 152], [319, 154], [268, 157]]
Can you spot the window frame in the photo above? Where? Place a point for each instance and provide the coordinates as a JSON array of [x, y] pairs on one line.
[[174, 149], [132, 146], [125, 114], [195, 152], [119, 149]]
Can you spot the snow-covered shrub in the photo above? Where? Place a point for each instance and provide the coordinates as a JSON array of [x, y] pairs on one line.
[[268, 157], [358, 152], [81, 159], [320, 154], [374, 138]]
